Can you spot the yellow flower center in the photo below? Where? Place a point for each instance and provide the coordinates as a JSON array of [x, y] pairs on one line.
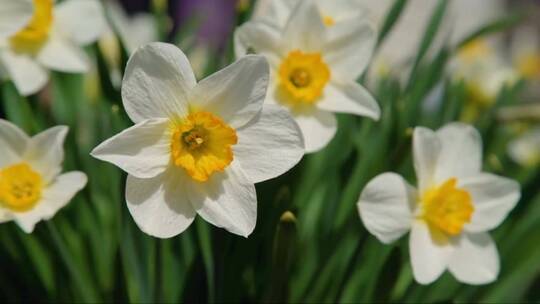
[[202, 144], [529, 66], [447, 208], [474, 50], [31, 38], [302, 77], [328, 21], [20, 187]]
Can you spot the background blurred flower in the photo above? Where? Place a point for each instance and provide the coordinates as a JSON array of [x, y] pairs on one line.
[[314, 69], [525, 150], [31, 186], [449, 215], [52, 40]]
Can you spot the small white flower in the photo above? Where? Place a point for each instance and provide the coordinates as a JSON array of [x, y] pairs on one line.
[[314, 68], [31, 186], [525, 150], [51, 40], [450, 213], [198, 148]]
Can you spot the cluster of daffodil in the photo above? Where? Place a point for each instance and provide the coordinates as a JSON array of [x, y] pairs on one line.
[[198, 147]]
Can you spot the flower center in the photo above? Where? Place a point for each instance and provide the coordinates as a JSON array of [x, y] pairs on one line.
[[31, 38], [447, 208], [474, 50], [20, 187], [529, 66], [202, 144], [302, 77], [328, 21]]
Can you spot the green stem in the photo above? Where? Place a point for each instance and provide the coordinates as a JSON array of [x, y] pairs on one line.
[[84, 287]]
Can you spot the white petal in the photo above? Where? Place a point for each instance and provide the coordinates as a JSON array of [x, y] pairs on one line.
[[157, 82], [386, 207], [45, 152], [143, 150], [426, 150], [235, 93], [83, 21], [349, 97], [13, 143], [475, 260], [27, 75], [264, 39], [56, 196], [429, 253], [61, 55], [227, 200], [160, 205], [273, 11], [493, 198], [349, 47], [343, 11], [269, 145], [461, 152], [5, 215], [318, 128], [14, 15], [305, 29]]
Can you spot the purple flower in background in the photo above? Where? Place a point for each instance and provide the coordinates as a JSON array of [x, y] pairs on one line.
[[215, 19]]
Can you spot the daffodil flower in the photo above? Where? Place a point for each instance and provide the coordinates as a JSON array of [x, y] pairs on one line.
[[450, 213], [314, 69], [31, 186], [198, 148], [50, 40], [525, 150]]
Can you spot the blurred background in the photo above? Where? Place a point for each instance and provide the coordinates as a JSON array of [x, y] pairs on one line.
[[436, 61]]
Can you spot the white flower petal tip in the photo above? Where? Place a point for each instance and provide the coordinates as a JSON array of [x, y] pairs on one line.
[[159, 205], [227, 200], [157, 82], [235, 93], [269, 145], [385, 207], [429, 255], [142, 150], [475, 260]]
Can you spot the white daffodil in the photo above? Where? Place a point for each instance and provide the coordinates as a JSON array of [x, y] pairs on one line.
[[31, 186], [484, 72], [198, 148], [525, 49], [525, 150], [450, 213], [314, 68], [334, 12], [51, 40]]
